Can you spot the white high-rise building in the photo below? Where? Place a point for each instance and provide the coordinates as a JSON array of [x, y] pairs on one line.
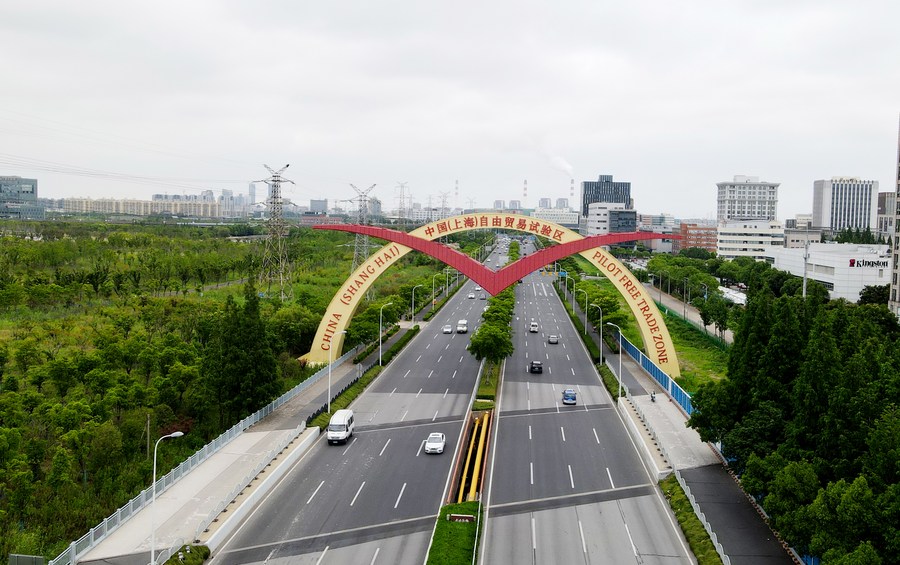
[[748, 238], [841, 203], [747, 198], [894, 299]]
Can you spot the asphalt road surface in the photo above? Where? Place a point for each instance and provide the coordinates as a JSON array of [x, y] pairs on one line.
[[375, 499], [566, 484]]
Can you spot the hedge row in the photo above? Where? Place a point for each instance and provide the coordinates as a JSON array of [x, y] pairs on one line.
[[372, 347]]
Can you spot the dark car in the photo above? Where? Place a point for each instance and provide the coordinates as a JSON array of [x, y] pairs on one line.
[[535, 367]]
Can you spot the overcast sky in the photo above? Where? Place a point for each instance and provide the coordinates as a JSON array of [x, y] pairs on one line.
[[127, 99]]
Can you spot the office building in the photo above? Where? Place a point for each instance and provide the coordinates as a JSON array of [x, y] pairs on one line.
[[746, 198], [885, 221], [845, 203], [566, 218], [795, 238], [843, 268], [748, 238], [604, 189], [319, 206], [251, 192], [18, 199], [610, 217], [894, 298], [695, 235]]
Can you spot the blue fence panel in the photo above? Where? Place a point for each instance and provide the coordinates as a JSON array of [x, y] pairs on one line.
[[672, 388], [811, 560]]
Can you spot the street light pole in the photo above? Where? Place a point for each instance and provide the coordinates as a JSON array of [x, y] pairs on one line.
[[620, 355], [380, 314], [433, 300], [153, 501], [601, 329], [412, 316], [585, 308], [330, 363], [688, 293], [567, 279]]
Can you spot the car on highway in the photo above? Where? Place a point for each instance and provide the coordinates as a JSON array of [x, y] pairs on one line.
[[448, 329], [434, 443], [471, 295], [569, 396], [483, 296], [477, 288], [535, 367], [533, 327], [553, 339]]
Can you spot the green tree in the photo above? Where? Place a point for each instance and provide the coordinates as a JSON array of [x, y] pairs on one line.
[[875, 294], [492, 342]]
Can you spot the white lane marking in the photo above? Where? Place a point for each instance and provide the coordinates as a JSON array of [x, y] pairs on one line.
[[557, 406], [596, 437], [460, 358], [418, 393], [528, 385], [398, 498], [529, 431], [448, 346], [526, 355], [548, 356], [571, 480], [431, 372], [321, 557], [349, 445], [421, 445], [445, 393], [435, 415], [427, 346], [550, 370], [315, 492], [385, 447], [454, 375], [529, 404], [439, 358], [583, 544], [404, 415], [533, 537], [567, 357], [564, 346], [393, 391], [377, 549], [573, 371], [407, 373], [419, 358], [531, 468], [562, 431], [608, 474], [357, 493], [633, 548]]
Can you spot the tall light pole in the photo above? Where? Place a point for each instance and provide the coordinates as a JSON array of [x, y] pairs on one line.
[[153, 500], [567, 279], [585, 308], [331, 362], [380, 314], [620, 355], [601, 330], [688, 293], [433, 300], [412, 317]]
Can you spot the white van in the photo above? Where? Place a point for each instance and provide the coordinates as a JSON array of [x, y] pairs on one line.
[[340, 428], [462, 326]]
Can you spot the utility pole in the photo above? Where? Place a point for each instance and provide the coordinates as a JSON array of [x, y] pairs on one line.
[[361, 247], [275, 258], [401, 211]]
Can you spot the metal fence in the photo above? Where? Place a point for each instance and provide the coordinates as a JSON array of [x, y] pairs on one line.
[[673, 389], [99, 532]]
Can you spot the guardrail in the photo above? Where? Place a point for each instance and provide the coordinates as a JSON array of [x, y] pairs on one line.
[[702, 517], [673, 389], [99, 532]]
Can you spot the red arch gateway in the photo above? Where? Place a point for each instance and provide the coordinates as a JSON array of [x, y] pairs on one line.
[[492, 281]]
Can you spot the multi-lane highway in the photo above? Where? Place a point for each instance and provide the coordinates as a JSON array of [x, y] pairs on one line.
[[375, 499], [566, 484]]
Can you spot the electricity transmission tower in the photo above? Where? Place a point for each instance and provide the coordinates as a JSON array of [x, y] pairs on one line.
[[401, 211], [361, 247], [275, 260]]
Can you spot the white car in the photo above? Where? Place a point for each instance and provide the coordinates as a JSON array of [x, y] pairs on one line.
[[471, 295], [477, 288], [435, 443], [448, 329]]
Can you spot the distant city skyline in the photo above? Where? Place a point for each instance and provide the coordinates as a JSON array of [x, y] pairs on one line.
[[371, 94]]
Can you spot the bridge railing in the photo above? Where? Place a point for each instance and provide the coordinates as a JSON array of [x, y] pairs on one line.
[[99, 532], [673, 389]]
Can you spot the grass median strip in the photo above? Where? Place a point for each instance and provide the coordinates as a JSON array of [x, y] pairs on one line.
[[454, 542]]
